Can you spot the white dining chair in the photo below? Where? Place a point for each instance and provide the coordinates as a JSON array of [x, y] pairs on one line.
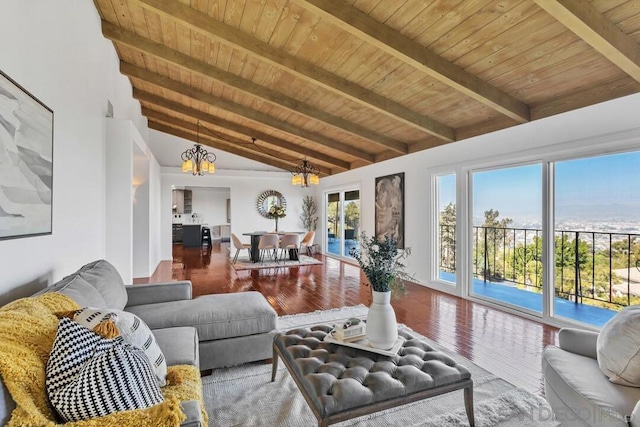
[[269, 243], [290, 242], [307, 242], [237, 243]]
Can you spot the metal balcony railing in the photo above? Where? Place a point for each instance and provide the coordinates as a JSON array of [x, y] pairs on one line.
[[590, 265]]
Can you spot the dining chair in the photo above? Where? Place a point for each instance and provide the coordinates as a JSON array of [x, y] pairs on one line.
[[307, 241], [269, 243], [290, 242], [237, 243]]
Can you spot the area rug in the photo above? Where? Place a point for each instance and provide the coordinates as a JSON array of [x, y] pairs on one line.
[[246, 264], [245, 395]]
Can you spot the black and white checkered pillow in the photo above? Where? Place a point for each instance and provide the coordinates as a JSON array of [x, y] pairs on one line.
[[133, 330], [90, 376]]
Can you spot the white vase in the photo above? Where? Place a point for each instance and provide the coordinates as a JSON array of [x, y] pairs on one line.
[[382, 328]]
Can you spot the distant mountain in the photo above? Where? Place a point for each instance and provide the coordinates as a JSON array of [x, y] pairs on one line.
[[620, 212]]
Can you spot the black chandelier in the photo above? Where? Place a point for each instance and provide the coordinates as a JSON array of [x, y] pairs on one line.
[[197, 160], [305, 174]]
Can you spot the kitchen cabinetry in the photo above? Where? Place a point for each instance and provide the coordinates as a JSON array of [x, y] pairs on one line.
[[177, 233], [182, 201], [188, 201]]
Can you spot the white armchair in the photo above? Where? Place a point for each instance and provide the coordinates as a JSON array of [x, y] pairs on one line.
[[577, 390]]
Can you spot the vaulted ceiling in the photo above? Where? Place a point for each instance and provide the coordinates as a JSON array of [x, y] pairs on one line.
[[346, 83]]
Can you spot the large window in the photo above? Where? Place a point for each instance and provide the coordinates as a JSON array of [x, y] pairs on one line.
[[597, 236], [507, 236], [446, 227], [559, 238]]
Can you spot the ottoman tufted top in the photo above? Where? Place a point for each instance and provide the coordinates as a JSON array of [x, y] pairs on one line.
[[338, 378]]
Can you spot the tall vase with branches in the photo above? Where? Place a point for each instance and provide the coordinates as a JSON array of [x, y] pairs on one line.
[[309, 215], [384, 266]]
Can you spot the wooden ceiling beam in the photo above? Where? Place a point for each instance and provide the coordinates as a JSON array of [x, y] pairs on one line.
[[188, 63], [229, 141], [220, 123], [220, 145], [200, 22], [264, 119], [385, 38], [582, 18]]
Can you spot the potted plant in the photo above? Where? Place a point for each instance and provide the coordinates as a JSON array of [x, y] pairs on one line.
[[276, 212], [383, 264]]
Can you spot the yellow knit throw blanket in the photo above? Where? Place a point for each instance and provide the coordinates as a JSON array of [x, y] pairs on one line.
[[28, 328]]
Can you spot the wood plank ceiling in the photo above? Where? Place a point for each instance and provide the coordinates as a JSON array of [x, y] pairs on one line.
[[346, 83]]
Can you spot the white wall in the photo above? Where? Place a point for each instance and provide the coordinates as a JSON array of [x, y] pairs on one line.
[[210, 204], [600, 128], [118, 195], [59, 55], [155, 214]]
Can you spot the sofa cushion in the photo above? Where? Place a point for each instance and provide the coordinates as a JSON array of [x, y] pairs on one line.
[[619, 347], [78, 289], [103, 276], [578, 381], [214, 316], [179, 345], [134, 332], [90, 376]]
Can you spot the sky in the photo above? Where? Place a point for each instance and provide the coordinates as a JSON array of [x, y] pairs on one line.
[[596, 188]]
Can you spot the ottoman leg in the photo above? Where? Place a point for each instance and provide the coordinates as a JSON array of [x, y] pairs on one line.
[[468, 404], [274, 366]]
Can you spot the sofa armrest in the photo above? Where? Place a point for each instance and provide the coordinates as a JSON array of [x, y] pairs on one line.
[[158, 292], [579, 342], [191, 409]]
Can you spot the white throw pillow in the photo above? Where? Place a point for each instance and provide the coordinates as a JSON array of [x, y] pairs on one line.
[[89, 376], [134, 332], [619, 347]]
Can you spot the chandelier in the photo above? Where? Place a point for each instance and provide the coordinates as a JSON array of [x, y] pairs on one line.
[[305, 174], [197, 160]]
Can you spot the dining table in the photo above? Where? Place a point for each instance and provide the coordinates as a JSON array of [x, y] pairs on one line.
[[255, 241]]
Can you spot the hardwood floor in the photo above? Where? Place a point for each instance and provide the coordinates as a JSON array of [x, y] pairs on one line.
[[505, 344]]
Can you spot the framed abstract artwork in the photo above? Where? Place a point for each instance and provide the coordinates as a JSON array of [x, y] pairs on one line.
[[26, 162], [390, 207]]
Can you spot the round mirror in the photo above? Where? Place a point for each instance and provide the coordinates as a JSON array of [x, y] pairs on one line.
[[270, 198]]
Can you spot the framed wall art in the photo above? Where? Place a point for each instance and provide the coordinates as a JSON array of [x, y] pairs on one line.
[[390, 207], [26, 162]]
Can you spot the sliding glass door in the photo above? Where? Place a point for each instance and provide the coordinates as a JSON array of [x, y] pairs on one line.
[[342, 221], [507, 236]]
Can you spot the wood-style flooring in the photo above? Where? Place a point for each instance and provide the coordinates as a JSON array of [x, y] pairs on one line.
[[505, 344]]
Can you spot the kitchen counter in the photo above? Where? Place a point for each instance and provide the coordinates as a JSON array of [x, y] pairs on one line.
[[192, 235]]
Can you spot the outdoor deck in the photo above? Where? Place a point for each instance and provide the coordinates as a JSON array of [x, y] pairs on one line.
[[596, 316]]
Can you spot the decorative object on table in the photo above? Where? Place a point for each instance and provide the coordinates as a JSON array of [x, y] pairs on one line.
[[383, 264], [351, 330], [197, 160], [26, 145], [270, 198], [276, 212], [389, 215], [305, 174], [308, 215]]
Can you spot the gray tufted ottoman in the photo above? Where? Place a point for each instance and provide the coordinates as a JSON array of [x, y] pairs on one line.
[[340, 382]]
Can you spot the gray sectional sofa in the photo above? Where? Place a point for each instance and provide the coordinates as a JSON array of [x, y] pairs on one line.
[[209, 331], [577, 390]]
